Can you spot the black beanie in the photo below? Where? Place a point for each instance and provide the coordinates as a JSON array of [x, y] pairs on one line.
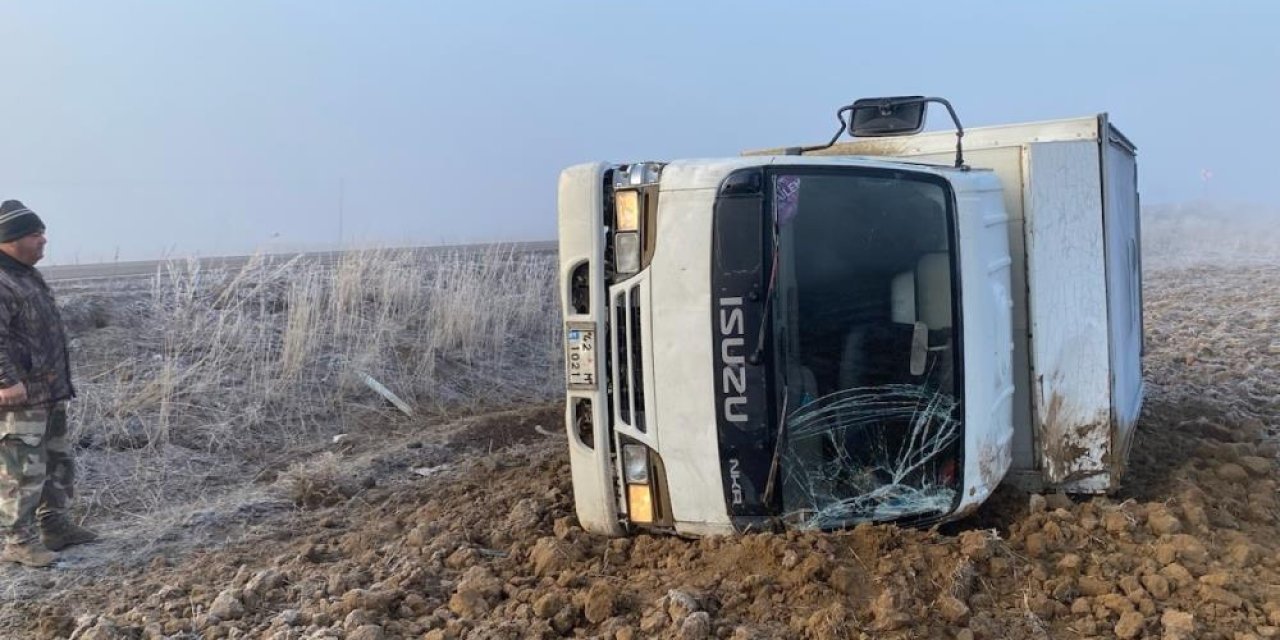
[[17, 221]]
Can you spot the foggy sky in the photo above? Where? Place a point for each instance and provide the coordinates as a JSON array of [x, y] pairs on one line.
[[146, 129]]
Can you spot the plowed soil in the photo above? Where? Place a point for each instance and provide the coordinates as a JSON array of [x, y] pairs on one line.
[[469, 533]]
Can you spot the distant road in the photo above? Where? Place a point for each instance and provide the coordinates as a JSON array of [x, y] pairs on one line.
[[129, 270]]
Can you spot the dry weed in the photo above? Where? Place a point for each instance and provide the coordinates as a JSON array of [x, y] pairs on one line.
[[251, 363], [318, 481]]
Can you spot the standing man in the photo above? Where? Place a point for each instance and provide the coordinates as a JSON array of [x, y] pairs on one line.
[[36, 469]]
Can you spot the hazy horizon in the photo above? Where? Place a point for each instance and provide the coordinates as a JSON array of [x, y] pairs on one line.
[[145, 129]]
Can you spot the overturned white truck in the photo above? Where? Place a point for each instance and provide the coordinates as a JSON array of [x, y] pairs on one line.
[[882, 329]]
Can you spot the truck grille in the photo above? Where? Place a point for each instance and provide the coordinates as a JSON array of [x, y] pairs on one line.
[[626, 366]]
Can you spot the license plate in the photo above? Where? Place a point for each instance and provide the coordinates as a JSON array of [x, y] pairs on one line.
[[581, 359]]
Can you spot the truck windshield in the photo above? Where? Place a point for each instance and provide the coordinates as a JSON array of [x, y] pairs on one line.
[[866, 344]]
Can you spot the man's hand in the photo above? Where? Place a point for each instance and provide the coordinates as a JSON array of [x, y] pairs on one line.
[[17, 394]]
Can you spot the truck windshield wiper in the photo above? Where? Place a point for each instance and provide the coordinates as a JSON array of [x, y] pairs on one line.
[[781, 435], [758, 353]]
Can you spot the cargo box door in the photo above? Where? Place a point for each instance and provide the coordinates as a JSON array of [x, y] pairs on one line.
[[1124, 284]]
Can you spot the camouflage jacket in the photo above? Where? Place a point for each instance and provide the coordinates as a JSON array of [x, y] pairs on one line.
[[33, 343]]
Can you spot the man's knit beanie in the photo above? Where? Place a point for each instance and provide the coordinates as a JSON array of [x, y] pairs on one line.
[[17, 221]]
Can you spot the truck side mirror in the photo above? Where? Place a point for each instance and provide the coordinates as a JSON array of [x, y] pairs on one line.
[[919, 348], [879, 117]]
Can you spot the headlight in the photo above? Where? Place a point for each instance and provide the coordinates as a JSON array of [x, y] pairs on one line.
[[635, 464], [626, 206], [626, 252]]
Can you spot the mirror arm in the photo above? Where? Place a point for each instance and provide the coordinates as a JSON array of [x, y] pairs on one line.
[[959, 130], [799, 151]]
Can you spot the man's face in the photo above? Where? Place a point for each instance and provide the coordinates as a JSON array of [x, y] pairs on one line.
[[28, 249]]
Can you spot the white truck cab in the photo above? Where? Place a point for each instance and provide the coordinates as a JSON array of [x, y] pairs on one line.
[[823, 336]]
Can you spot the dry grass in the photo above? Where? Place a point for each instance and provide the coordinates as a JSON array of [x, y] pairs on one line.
[[320, 480], [208, 378]]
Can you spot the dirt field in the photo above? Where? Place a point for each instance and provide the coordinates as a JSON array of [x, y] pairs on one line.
[[464, 529]]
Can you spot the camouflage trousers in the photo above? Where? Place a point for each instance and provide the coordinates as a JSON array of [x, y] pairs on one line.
[[37, 473]]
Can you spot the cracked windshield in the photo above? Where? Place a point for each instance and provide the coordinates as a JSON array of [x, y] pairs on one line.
[[867, 344]]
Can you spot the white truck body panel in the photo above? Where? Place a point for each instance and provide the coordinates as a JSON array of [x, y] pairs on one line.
[[1067, 298], [1070, 187], [985, 268]]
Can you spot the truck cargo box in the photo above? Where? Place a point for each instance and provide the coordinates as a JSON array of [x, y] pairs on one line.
[[1070, 187]]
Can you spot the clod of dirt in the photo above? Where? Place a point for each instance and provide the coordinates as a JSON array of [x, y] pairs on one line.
[[552, 555], [367, 632], [227, 606], [602, 601], [697, 626], [549, 604], [977, 545], [565, 620], [95, 628], [1035, 545], [1129, 626], [1256, 465], [567, 526], [952, 610], [1241, 554], [679, 605], [1178, 575], [1156, 585], [289, 618], [1232, 472], [653, 621], [1189, 548], [1161, 522], [1069, 564], [260, 585], [830, 623], [886, 610], [1114, 603], [1095, 586], [1116, 522], [1177, 625], [1212, 593], [1056, 501], [475, 593], [525, 515]]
